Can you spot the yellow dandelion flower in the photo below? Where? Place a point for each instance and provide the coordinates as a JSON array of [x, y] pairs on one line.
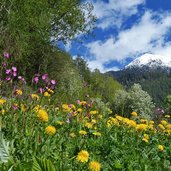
[[66, 108], [144, 121], [168, 126], [145, 138], [93, 112], [83, 103], [132, 123], [167, 116], [134, 113], [160, 147], [82, 132], [114, 121], [50, 130], [46, 94], [163, 122], [56, 109], [141, 127], [88, 125], [50, 91], [94, 166], [42, 115], [119, 118], [36, 108], [160, 126], [23, 108], [83, 156], [79, 110], [72, 135], [2, 101], [93, 121], [59, 122], [97, 134], [18, 92], [151, 127], [151, 122], [34, 96], [2, 111]]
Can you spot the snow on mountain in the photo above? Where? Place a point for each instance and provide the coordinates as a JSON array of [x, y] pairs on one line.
[[151, 61]]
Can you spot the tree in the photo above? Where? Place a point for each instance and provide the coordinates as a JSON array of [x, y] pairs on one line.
[[168, 103], [28, 27], [140, 101], [134, 100]]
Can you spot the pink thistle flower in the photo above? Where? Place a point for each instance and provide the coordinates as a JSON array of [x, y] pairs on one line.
[[78, 102], [8, 78], [6, 55], [15, 107], [14, 69], [8, 71], [4, 64], [53, 82], [14, 73], [45, 77], [41, 90], [36, 80]]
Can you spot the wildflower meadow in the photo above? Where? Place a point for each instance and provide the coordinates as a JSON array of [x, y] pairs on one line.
[[40, 133]]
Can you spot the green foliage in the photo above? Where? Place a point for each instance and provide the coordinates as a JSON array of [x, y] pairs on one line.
[[104, 87], [167, 103], [42, 165], [4, 149], [121, 103], [28, 27], [154, 81], [140, 101], [134, 100]]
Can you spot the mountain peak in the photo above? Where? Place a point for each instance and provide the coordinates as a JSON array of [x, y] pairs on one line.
[[150, 60]]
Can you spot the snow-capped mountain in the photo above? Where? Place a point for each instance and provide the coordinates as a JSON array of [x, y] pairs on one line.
[[152, 72], [150, 60]]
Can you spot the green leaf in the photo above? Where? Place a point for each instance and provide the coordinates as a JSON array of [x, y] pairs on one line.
[[4, 149], [42, 165], [118, 164]]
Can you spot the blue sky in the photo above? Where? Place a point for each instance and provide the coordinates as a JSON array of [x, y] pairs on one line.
[[125, 29]]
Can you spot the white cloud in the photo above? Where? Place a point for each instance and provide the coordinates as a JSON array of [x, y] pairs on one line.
[[148, 35], [98, 65], [115, 12]]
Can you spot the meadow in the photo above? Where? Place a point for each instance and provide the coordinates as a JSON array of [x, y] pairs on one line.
[[39, 133]]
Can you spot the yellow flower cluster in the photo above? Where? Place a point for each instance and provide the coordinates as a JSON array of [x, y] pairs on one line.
[[164, 127], [160, 147], [34, 96], [141, 125], [145, 138], [2, 101], [134, 113], [50, 130], [94, 166], [93, 112], [97, 133], [82, 132], [18, 92], [83, 156], [46, 94], [42, 115]]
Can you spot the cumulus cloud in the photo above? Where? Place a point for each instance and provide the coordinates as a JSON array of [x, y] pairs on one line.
[[115, 12], [148, 35]]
